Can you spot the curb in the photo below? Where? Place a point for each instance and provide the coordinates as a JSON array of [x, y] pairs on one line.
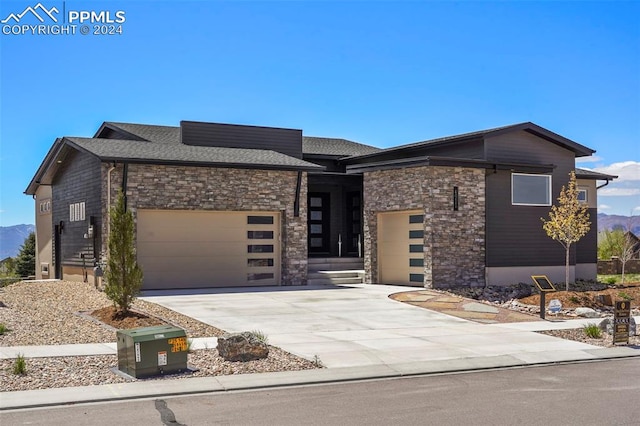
[[200, 385]]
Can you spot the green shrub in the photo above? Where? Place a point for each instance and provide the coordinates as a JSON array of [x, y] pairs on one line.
[[3, 329], [611, 280], [593, 331], [20, 365]]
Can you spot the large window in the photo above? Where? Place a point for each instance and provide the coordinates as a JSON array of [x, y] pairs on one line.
[[530, 190]]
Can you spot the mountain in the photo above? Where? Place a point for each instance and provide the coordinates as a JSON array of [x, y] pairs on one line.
[[606, 221], [12, 238]]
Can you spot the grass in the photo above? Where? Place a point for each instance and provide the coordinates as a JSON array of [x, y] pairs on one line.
[[617, 279], [592, 331], [624, 295], [20, 365], [260, 336], [3, 329]]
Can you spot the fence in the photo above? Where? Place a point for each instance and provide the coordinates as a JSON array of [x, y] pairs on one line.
[[614, 266]]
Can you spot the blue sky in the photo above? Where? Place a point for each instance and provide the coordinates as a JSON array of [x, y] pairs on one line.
[[381, 73]]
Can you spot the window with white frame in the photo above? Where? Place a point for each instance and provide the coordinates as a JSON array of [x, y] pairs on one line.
[[530, 190], [76, 212], [582, 195]]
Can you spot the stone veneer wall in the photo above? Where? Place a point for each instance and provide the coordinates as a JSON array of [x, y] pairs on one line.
[[454, 244], [220, 189]]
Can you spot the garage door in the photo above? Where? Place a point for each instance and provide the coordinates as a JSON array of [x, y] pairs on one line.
[[196, 249], [401, 248]]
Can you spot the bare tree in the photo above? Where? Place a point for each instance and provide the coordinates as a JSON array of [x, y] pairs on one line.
[[568, 221], [627, 248]]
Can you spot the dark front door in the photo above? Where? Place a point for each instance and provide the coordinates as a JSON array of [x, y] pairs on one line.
[[318, 222]]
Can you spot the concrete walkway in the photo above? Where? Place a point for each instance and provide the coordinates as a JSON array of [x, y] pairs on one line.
[[356, 331]]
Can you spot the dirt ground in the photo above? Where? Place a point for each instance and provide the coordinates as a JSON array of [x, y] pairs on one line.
[[115, 319], [590, 299]]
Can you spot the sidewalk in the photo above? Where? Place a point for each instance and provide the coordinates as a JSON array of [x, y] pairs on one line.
[[157, 388]]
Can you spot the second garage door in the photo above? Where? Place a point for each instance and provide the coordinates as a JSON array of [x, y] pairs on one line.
[[196, 249], [401, 248]]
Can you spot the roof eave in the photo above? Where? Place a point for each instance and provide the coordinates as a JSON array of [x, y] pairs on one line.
[[448, 162]]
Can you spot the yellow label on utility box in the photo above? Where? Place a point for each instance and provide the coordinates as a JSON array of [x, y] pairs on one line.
[[178, 344]]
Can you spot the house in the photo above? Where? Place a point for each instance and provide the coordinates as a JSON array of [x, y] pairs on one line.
[[235, 205]]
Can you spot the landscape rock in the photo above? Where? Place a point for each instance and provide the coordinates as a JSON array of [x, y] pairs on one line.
[[586, 313], [606, 325], [242, 347]]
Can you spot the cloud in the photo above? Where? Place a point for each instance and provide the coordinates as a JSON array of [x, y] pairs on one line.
[[604, 207], [636, 209], [625, 170], [618, 192], [591, 159]]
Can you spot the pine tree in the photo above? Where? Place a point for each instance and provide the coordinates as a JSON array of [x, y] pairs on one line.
[[123, 275], [25, 264], [568, 221]]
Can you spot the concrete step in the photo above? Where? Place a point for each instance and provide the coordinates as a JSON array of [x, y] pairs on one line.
[[335, 264], [336, 277]]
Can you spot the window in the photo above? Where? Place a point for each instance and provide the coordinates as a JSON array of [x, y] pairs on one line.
[[582, 195], [76, 212], [260, 220], [530, 190], [45, 206]]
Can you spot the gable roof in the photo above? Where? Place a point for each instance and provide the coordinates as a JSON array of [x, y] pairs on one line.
[[335, 147], [310, 145], [579, 150], [172, 153]]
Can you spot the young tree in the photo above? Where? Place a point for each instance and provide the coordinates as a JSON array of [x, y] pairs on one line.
[[610, 243], [25, 264], [123, 275], [568, 221], [627, 250]]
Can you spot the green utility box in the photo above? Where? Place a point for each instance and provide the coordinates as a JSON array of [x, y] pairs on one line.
[[152, 351]]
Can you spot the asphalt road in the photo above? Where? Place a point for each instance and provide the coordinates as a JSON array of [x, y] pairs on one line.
[[596, 393]]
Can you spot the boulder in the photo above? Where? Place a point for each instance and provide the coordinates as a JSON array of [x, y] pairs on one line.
[[242, 347], [606, 325], [586, 313]]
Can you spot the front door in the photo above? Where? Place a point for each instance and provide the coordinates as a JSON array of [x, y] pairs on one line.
[[318, 223]]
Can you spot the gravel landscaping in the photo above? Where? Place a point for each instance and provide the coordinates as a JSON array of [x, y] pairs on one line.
[[57, 312]]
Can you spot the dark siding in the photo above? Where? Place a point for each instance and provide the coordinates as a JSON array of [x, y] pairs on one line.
[[286, 141], [472, 149], [514, 233], [78, 180], [587, 247]]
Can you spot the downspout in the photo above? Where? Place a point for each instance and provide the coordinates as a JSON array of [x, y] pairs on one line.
[[125, 172], [606, 182], [112, 168], [296, 202]]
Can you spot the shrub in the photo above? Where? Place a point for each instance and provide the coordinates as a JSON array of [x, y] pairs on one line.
[[593, 331], [123, 275], [611, 280], [3, 329], [25, 264], [20, 365]]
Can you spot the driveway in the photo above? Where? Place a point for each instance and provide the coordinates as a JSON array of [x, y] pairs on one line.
[[358, 325]]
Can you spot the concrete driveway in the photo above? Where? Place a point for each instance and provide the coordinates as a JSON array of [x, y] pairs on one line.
[[358, 325]]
